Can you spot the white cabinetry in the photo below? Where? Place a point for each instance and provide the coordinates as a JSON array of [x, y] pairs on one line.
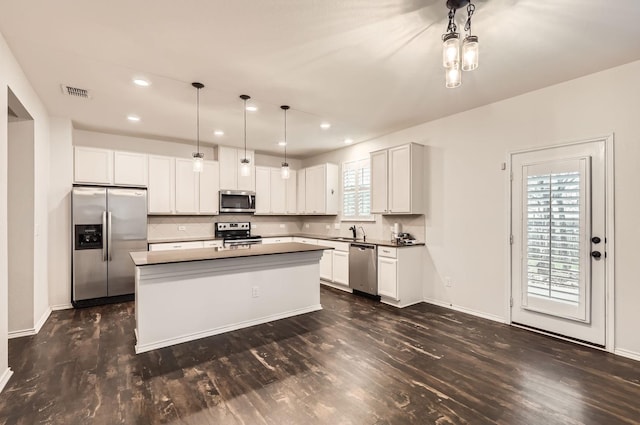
[[230, 177], [213, 244], [278, 192], [291, 195], [167, 246], [130, 169], [321, 189], [400, 275], [301, 191], [397, 185], [93, 165], [336, 264], [108, 167], [275, 195], [174, 188], [263, 190], [277, 240], [161, 195], [305, 240]]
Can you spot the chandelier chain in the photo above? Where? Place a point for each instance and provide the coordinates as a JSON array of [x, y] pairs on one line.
[[471, 8], [452, 27]]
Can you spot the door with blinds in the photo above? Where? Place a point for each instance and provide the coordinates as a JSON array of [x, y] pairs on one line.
[[558, 233]]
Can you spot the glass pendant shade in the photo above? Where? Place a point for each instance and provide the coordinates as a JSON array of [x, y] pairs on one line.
[[453, 76], [198, 162], [284, 171], [450, 49], [470, 53], [245, 167]]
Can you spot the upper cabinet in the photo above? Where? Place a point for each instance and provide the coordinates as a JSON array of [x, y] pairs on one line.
[[230, 176], [174, 188], [275, 195], [322, 194], [108, 167], [397, 185]]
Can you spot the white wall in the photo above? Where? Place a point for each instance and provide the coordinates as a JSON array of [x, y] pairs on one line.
[[60, 181], [467, 190], [11, 76], [20, 216]]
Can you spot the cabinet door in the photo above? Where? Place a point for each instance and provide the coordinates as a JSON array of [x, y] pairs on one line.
[[246, 182], [341, 267], [388, 277], [212, 244], [229, 162], [301, 191], [263, 190], [315, 190], [161, 193], [186, 187], [130, 169], [326, 265], [278, 195], [379, 182], [209, 188], [92, 165], [291, 192], [400, 179]]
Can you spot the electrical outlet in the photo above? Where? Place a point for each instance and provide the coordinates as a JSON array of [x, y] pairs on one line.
[[282, 226], [327, 227], [447, 281], [306, 226], [255, 292], [182, 228], [336, 226], [254, 226]]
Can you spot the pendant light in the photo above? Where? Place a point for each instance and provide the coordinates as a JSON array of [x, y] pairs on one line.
[[284, 171], [198, 157], [245, 164], [451, 46], [470, 43]]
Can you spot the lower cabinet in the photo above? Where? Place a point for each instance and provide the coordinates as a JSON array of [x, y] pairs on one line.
[[400, 275], [167, 246], [326, 265], [334, 265], [277, 240], [341, 267]]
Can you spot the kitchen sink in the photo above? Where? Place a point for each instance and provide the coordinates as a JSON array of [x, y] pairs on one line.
[[347, 239]]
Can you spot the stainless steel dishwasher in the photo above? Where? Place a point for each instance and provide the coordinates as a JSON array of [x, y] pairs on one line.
[[363, 266]]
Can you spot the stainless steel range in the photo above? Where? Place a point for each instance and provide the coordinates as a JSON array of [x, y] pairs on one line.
[[236, 234]]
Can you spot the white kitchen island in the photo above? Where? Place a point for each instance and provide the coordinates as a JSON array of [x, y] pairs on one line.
[[190, 294]]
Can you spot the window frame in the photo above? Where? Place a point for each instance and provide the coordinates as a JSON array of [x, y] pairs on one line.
[[357, 164]]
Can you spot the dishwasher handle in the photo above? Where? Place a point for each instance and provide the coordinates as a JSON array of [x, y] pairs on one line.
[[363, 246]]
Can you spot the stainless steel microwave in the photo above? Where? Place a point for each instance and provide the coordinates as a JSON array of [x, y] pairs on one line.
[[237, 201]]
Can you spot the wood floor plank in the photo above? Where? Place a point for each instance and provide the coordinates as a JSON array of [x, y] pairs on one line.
[[355, 362]]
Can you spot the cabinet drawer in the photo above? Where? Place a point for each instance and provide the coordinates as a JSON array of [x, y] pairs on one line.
[[212, 244], [338, 246], [384, 251], [306, 240], [175, 245]]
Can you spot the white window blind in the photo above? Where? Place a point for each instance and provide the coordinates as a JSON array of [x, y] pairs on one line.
[[356, 189], [553, 236]]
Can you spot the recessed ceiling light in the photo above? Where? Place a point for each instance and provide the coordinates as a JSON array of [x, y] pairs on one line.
[[140, 82], [219, 133], [348, 141], [252, 108], [325, 126], [282, 143], [133, 118]]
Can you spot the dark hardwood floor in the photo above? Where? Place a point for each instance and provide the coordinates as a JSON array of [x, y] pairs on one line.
[[355, 362]]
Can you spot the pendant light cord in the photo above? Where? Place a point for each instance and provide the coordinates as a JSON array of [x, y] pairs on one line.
[[245, 129], [285, 136], [198, 121]]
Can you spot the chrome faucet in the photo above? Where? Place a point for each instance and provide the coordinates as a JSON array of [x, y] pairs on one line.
[[364, 235]]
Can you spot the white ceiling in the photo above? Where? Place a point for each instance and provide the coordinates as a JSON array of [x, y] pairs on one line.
[[367, 67]]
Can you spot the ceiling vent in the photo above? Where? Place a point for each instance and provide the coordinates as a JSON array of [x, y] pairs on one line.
[[75, 91]]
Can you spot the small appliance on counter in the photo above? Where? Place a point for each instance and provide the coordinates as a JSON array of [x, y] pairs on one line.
[[405, 239], [107, 224], [236, 234]]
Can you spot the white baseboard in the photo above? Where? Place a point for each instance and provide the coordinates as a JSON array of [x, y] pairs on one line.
[[336, 286], [42, 319], [58, 307], [31, 331], [141, 348], [626, 353], [466, 310], [4, 378]]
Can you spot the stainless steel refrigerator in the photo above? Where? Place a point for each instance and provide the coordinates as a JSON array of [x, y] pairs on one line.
[[107, 224]]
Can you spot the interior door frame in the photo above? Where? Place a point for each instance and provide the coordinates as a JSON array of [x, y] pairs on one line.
[[609, 229]]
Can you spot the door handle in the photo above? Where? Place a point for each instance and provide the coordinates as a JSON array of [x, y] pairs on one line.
[[596, 254], [596, 240], [109, 235], [104, 242]]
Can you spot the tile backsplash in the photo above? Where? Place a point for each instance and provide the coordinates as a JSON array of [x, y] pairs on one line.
[[176, 227]]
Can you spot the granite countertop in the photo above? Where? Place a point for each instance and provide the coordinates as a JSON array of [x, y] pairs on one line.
[[147, 258], [379, 242]]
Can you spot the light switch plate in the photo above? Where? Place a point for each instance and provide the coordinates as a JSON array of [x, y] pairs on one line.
[[282, 226], [254, 226], [182, 228], [327, 227], [336, 226], [306, 226]]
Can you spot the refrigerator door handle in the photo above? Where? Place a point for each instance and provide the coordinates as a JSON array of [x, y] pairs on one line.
[[104, 227], [109, 235]]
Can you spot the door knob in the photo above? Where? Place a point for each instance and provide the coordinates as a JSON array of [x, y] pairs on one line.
[[596, 240], [596, 254]]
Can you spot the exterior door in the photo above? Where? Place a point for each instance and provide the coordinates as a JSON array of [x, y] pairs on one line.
[[558, 230]]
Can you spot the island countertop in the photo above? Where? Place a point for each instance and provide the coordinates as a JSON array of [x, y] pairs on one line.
[[147, 258]]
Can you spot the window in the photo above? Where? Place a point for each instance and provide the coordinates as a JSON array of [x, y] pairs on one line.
[[356, 190]]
